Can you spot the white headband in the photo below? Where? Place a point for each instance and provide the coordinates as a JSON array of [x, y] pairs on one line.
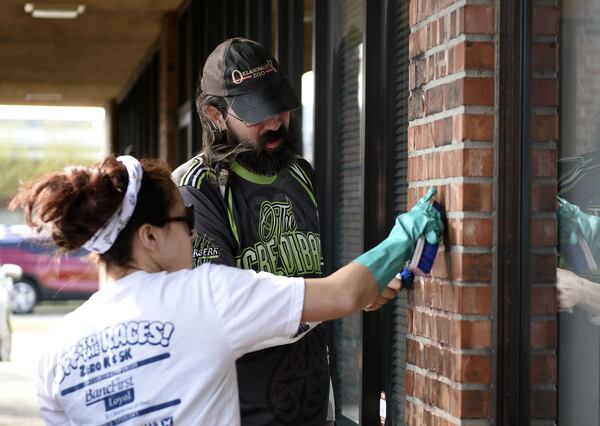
[[106, 236]]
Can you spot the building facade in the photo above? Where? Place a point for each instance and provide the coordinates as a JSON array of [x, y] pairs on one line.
[[480, 98]]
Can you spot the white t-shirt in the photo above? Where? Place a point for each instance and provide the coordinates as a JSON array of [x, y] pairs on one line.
[[160, 349]]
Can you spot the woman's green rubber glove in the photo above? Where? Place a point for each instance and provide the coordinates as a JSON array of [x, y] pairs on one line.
[[389, 256], [573, 222]]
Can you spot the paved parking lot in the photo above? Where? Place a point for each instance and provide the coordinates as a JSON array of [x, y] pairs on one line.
[[18, 405]]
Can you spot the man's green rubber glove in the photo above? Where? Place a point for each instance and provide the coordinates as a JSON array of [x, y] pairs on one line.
[[389, 256], [572, 223]]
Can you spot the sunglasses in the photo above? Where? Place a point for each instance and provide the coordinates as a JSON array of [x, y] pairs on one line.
[[188, 219]]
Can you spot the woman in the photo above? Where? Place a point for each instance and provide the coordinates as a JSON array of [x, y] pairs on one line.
[[157, 344]]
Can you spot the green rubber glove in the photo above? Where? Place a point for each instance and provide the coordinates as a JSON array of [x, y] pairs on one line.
[[572, 223], [389, 256]]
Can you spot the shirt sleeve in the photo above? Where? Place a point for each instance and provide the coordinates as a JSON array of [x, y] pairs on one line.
[[214, 241], [50, 407], [254, 307]]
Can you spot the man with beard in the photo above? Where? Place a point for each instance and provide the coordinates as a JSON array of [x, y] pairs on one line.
[[255, 208]]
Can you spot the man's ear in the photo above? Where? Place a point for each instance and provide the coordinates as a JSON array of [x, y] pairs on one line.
[[147, 236], [216, 117]]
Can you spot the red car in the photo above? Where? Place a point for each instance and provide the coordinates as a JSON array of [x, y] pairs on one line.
[[46, 275]]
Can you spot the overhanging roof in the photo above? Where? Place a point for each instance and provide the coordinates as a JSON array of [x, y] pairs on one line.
[[87, 61]]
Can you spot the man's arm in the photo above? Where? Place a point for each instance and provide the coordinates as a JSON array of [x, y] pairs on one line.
[[214, 241]]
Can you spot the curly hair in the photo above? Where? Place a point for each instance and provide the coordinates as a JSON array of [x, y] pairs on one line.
[[77, 201]]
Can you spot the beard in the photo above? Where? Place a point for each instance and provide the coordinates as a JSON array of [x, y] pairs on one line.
[[263, 161]]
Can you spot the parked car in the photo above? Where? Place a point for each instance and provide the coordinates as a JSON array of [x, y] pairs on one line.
[[8, 273], [46, 275]]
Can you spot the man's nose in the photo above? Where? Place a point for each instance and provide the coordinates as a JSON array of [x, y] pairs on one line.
[[272, 123]]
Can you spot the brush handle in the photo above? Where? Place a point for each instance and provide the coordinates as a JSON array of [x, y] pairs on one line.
[[407, 278]]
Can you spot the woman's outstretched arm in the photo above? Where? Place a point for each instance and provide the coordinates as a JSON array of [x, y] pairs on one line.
[[342, 293]]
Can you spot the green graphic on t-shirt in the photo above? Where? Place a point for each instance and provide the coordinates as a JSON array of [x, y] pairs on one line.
[[205, 249], [282, 249]]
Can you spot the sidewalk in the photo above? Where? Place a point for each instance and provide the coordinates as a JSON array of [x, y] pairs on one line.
[[18, 404]]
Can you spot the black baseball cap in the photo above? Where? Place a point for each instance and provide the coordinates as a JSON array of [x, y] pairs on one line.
[[249, 78]]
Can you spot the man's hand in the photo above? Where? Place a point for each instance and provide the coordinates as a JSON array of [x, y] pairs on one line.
[[575, 290], [387, 294], [570, 289]]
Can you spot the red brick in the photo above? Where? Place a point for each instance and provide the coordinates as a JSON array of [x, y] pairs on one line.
[[478, 162], [461, 197], [471, 232], [544, 162], [448, 164], [471, 267], [476, 197], [543, 404], [421, 11], [418, 415], [543, 369], [424, 135], [543, 267], [412, 76], [451, 64], [430, 7], [459, 367], [413, 13], [441, 30], [479, 19], [473, 404], [470, 91], [460, 403], [476, 56], [409, 382], [441, 64], [478, 91], [544, 127], [543, 334], [545, 57], [544, 92], [442, 132], [459, 57], [434, 100], [466, 334], [543, 301], [453, 23], [430, 68], [543, 198], [432, 28], [474, 334], [449, 297], [415, 105], [417, 43], [413, 169], [545, 20], [473, 127], [411, 139], [543, 233]]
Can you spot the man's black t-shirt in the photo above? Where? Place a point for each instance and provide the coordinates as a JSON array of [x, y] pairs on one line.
[[266, 224]]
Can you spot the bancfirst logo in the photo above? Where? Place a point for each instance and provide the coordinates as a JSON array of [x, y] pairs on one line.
[[117, 386], [238, 76]]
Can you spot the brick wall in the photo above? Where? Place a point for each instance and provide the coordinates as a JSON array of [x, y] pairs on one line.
[[452, 145], [450, 367]]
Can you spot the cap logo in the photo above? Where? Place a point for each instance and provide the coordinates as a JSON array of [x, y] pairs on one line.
[[238, 76]]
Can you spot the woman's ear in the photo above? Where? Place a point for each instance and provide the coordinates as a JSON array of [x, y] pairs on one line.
[[216, 117], [147, 236]]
